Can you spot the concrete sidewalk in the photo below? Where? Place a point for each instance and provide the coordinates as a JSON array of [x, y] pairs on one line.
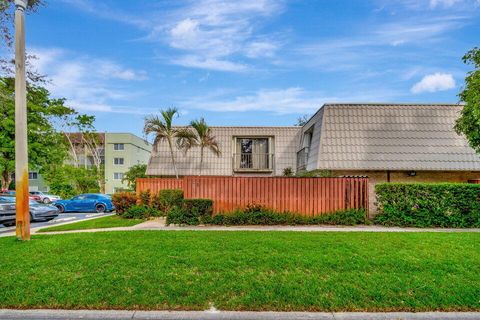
[[224, 315], [159, 225]]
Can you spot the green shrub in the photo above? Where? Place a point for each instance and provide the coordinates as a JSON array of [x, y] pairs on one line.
[[453, 205], [137, 212], [123, 200], [191, 212], [145, 197], [200, 207], [166, 200], [317, 173], [288, 172], [257, 215]]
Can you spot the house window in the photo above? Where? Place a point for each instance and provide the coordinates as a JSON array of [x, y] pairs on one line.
[[118, 176], [33, 175], [302, 154], [118, 161], [253, 154], [118, 146]]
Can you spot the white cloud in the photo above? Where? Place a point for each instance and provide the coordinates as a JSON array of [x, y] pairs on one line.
[[379, 45], [87, 83], [434, 82], [213, 33], [443, 3], [291, 100], [193, 61], [206, 34]]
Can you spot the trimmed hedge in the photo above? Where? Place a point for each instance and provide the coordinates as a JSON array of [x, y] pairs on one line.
[[269, 217], [191, 212], [199, 211], [452, 205], [139, 212]]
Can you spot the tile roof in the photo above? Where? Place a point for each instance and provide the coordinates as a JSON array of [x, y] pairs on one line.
[[394, 137]]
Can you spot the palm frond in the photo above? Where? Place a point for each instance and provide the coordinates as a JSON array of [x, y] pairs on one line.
[[186, 139]]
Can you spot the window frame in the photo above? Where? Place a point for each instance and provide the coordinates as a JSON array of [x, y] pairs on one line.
[[118, 173], [118, 144], [32, 174], [119, 164]]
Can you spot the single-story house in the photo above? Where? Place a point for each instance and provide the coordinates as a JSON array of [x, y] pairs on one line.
[[386, 142]]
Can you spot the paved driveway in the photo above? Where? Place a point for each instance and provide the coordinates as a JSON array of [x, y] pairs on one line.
[[62, 218]]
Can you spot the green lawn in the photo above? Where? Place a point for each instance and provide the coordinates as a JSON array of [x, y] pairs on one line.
[[243, 271], [98, 223]]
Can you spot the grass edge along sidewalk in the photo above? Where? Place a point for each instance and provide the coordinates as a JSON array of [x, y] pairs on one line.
[[222, 315], [111, 221], [257, 271]]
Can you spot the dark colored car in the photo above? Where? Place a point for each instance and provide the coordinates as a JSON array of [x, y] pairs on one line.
[[7, 211], [92, 202], [38, 211]]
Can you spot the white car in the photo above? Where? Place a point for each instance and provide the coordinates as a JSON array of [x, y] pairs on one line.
[[45, 197]]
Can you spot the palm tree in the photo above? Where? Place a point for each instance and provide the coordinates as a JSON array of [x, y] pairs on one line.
[[164, 130], [200, 137]]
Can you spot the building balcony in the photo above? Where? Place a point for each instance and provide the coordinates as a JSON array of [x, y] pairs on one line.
[[253, 162]]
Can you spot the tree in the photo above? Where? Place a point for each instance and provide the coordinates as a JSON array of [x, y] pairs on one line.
[[468, 123], [200, 137], [45, 145], [67, 180], [164, 130], [301, 121], [7, 65], [134, 172]]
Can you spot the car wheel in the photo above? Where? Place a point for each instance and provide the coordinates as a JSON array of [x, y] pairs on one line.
[[46, 200], [31, 218], [60, 208], [100, 208]]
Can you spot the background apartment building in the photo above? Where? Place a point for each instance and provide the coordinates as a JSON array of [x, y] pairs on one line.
[[118, 152]]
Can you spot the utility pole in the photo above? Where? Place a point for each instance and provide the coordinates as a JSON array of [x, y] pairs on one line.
[[21, 149]]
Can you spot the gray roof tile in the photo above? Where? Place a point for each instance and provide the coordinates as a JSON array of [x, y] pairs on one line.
[[394, 137]]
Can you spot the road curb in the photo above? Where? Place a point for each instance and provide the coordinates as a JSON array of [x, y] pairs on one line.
[[233, 315]]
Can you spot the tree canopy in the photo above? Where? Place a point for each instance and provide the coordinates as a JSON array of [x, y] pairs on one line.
[[469, 122], [134, 172], [46, 144], [7, 64]]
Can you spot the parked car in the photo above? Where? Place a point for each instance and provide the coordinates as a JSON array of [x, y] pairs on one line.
[[38, 211], [45, 197], [7, 211], [12, 193], [92, 202]]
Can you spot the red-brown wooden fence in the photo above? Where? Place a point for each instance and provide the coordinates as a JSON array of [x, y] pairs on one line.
[[306, 196]]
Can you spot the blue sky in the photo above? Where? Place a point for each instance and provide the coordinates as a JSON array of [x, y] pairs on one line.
[[249, 62]]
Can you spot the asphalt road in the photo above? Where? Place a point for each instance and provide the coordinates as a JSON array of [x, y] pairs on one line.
[[62, 218]]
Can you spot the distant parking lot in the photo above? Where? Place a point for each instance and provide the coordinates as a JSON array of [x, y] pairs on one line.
[[62, 218]]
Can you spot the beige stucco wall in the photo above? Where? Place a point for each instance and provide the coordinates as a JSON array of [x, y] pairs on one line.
[[284, 147], [402, 176]]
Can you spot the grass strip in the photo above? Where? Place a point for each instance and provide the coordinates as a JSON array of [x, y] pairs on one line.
[[98, 223]]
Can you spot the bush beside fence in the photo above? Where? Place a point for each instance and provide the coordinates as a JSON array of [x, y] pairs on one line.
[[452, 205]]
